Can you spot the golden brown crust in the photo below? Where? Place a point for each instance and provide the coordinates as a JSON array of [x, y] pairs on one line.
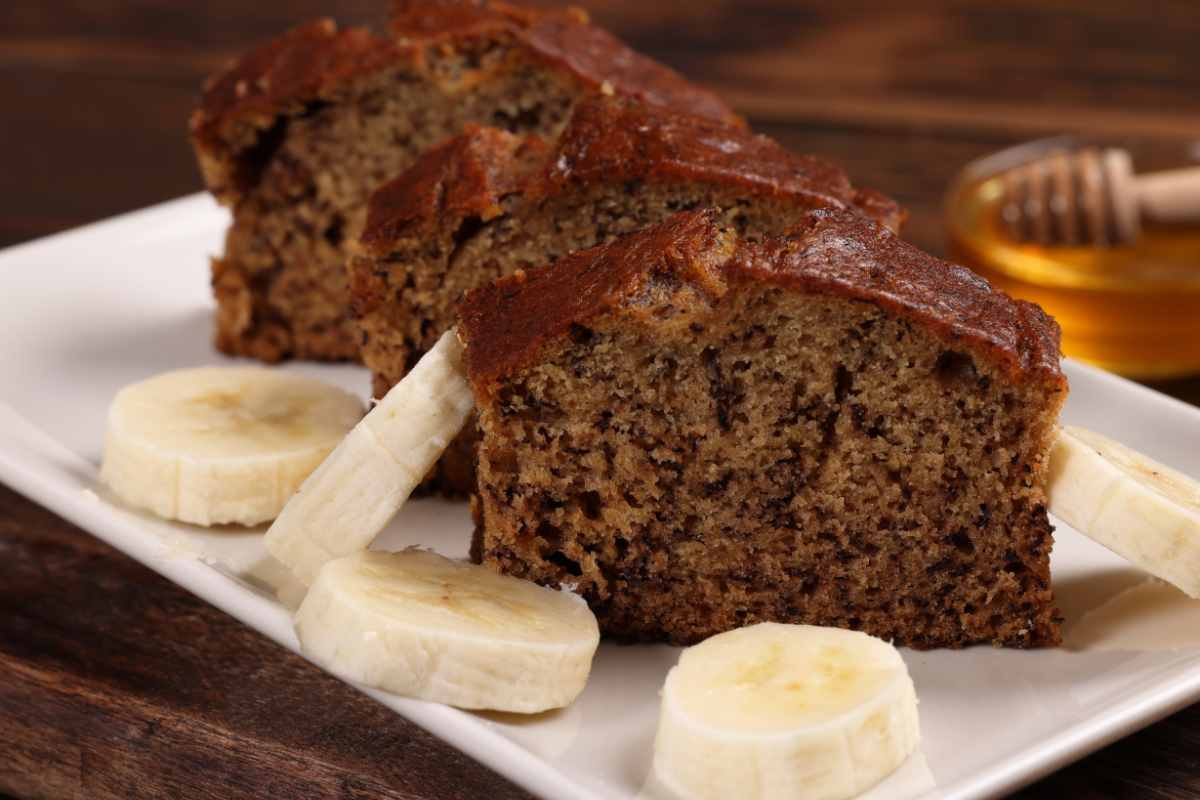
[[835, 252], [615, 141], [466, 176], [881, 208], [838, 254]]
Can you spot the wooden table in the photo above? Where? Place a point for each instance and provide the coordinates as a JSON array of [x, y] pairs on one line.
[[115, 683]]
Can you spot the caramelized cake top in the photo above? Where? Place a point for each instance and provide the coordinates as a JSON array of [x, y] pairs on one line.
[[607, 141], [834, 252]]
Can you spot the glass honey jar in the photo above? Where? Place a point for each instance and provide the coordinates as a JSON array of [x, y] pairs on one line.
[[1133, 309]]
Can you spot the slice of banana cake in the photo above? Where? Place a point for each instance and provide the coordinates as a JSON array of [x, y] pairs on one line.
[[296, 134], [697, 431], [487, 203]]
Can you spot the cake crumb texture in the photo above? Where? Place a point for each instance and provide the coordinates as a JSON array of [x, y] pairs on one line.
[[700, 432]]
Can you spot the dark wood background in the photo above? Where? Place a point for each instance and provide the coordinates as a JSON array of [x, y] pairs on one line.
[[114, 683]]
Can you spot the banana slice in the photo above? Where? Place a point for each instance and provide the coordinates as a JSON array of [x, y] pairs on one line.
[[784, 711], [417, 624], [349, 499], [215, 445], [1143, 511]]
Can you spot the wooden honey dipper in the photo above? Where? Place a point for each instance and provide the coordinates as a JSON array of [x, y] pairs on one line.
[[1092, 197]]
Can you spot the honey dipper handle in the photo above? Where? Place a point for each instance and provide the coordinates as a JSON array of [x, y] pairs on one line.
[[1172, 196]]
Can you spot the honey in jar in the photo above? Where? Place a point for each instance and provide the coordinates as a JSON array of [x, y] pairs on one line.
[[1132, 309]]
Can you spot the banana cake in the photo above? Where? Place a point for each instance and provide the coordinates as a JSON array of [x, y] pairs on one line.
[[295, 135], [698, 430], [488, 202]]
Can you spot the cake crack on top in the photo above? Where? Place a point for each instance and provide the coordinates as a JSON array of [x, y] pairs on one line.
[[699, 429]]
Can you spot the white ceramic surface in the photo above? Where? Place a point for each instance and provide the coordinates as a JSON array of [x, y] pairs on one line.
[[89, 311]]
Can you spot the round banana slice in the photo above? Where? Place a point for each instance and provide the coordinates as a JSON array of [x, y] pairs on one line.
[[215, 445], [416, 624], [1143, 511], [784, 711]]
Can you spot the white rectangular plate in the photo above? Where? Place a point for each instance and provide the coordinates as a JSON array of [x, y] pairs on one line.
[[91, 310]]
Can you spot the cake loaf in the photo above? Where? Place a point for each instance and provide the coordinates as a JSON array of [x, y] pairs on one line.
[[295, 135], [488, 203], [697, 430]]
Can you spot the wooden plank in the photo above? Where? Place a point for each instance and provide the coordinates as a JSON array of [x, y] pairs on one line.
[[115, 683]]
